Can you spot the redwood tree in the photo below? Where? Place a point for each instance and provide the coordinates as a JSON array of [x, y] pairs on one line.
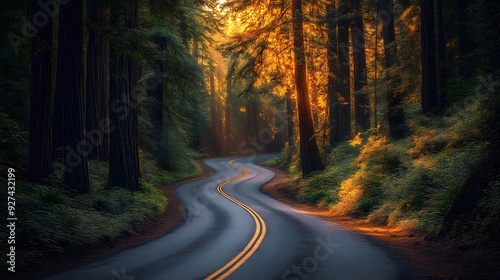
[[97, 75], [155, 89], [396, 119], [39, 151], [124, 153], [443, 90], [463, 36], [310, 158], [215, 135], [361, 100], [69, 95], [342, 108], [290, 107], [429, 95], [227, 125], [332, 54]]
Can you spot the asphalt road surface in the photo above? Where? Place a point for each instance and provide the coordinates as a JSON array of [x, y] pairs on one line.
[[233, 231]]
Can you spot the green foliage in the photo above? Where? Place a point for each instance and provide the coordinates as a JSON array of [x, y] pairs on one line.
[[172, 34], [281, 161], [13, 144], [57, 223], [411, 183], [154, 174], [321, 189], [443, 153]]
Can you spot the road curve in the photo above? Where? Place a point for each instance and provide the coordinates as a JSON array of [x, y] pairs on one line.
[[233, 231]]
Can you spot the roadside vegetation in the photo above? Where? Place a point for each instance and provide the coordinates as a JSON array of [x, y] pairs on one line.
[[54, 223], [413, 183]]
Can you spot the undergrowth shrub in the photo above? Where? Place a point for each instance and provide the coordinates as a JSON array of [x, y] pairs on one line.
[[442, 153], [56, 222], [363, 192], [322, 189]]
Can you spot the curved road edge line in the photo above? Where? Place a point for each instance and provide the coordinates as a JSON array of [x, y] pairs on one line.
[[255, 241]]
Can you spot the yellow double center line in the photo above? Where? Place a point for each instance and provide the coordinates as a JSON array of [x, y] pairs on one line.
[[253, 244]]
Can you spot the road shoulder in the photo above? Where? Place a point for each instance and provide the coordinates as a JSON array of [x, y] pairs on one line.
[[419, 258], [168, 221]]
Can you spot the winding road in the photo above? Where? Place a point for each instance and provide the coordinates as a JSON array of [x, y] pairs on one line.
[[234, 231]]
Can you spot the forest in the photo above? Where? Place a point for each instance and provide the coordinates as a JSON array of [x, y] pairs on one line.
[[381, 110]]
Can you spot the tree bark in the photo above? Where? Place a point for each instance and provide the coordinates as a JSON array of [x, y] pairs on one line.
[[309, 153], [198, 129], [227, 125], [463, 37], [97, 74], [155, 90], [443, 85], [429, 95], [361, 99], [343, 104], [214, 114], [124, 153], [69, 96], [290, 106], [332, 56], [252, 117], [396, 119], [39, 150]]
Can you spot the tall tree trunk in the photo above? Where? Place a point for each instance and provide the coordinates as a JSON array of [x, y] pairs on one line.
[[429, 95], [361, 99], [396, 119], [443, 85], [252, 117], [155, 90], [214, 115], [124, 153], [198, 128], [343, 105], [39, 151], [290, 106], [69, 96], [463, 37], [97, 73], [228, 133], [309, 153], [375, 89], [333, 67]]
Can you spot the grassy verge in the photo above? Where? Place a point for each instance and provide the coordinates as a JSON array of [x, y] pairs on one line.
[[410, 183], [54, 223]]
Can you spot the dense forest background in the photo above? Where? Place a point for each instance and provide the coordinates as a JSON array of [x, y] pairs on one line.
[[386, 110]]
